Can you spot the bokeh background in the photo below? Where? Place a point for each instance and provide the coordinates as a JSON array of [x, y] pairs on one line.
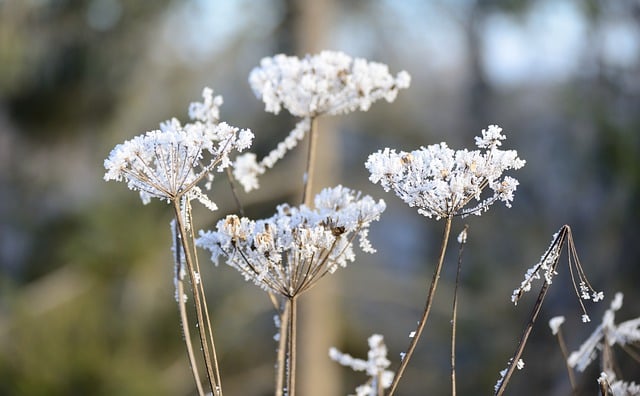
[[86, 291]]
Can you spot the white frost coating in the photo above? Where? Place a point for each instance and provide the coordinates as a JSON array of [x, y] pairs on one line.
[[327, 83], [290, 251], [555, 323], [168, 162], [441, 182]]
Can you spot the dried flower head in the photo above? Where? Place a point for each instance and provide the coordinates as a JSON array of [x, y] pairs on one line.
[[169, 162], [327, 83], [290, 251], [440, 182]]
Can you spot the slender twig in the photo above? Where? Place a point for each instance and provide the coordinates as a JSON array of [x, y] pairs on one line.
[[234, 192], [427, 308], [565, 357], [184, 321], [197, 297], [454, 315], [311, 156]]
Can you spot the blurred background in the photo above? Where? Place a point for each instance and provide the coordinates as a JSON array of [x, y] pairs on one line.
[[86, 291]]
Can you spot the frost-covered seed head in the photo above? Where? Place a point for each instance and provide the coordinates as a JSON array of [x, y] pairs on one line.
[[440, 182], [168, 163], [327, 83], [290, 251]]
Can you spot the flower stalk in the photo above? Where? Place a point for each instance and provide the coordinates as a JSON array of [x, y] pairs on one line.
[[427, 308]]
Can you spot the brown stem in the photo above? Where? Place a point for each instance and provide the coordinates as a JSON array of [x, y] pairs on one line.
[[454, 316], [291, 345], [282, 349], [565, 356], [234, 192], [427, 308], [197, 297], [184, 321], [311, 158]]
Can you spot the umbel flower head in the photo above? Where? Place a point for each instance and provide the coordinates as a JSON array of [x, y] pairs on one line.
[[290, 251], [327, 83], [440, 182], [169, 162]]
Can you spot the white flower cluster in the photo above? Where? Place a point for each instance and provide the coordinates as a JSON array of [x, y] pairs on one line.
[[326, 83], [169, 162], [440, 182], [609, 333], [375, 366], [290, 251]]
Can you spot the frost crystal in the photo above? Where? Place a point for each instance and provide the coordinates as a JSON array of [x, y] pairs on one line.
[[168, 163], [440, 182], [290, 251], [327, 83], [375, 366]]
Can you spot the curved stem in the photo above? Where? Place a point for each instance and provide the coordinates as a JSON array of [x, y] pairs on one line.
[[311, 158], [197, 297], [427, 308]]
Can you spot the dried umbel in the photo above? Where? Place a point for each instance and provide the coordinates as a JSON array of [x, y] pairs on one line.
[[327, 83], [441, 182], [289, 252], [168, 163]]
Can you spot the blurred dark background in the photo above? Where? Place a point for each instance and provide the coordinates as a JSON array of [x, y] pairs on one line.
[[86, 291]]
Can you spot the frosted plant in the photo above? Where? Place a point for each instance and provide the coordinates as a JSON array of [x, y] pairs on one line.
[[328, 83], [440, 182], [376, 366], [610, 385], [168, 163], [546, 268], [605, 336], [289, 252]]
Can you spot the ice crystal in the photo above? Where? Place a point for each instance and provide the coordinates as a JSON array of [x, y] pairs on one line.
[[375, 366], [555, 323], [168, 163], [290, 251], [440, 182]]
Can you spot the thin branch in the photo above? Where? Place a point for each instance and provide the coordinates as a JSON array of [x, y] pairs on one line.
[[454, 315], [234, 192], [311, 157], [427, 308], [565, 356], [282, 349]]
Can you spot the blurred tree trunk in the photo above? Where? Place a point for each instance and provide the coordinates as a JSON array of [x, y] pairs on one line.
[[319, 316]]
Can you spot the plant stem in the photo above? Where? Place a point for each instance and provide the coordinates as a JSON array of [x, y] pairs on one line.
[[565, 356], [454, 316], [292, 302], [311, 157], [282, 349], [198, 296], [560, 238], [184, 321], [427, 308], [234, 192]]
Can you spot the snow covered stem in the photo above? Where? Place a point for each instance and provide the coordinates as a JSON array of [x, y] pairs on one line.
[[203, 321], [427, 309]]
